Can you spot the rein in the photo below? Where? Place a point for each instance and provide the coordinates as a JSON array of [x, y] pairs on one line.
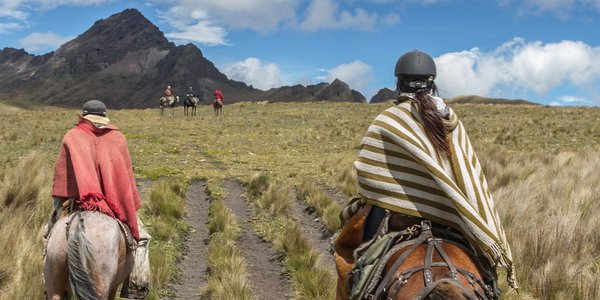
[[392, 282]]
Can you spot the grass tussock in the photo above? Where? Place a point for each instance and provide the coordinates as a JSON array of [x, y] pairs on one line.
[[165, 209], [309, 280], [163, 217], [273, 198], [25, 206], [302, 262], [554, 235], [325, 207], [227, 267], [341, 173]]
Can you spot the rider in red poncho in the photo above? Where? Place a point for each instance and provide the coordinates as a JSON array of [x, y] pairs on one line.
[[93, 172]]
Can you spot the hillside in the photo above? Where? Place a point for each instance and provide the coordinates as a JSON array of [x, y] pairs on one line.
[[127, 62], [471, 99]]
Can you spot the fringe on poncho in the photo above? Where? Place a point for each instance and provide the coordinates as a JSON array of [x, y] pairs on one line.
[[399, 169]]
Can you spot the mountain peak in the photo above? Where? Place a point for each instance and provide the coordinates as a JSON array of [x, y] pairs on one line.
[[126, 31]]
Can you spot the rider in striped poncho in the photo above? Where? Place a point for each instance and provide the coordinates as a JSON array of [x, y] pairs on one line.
[[416, 161]]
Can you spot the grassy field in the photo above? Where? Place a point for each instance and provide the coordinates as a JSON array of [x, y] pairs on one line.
[[541, 163]]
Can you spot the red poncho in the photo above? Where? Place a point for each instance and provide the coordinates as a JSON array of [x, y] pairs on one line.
[[94, 167]]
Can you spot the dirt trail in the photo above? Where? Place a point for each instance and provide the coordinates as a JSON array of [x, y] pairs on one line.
[[144, 186], [263, 267], [314, 231], [193, 264], [334, 195]]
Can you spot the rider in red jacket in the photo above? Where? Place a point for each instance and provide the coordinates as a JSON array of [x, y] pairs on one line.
[[219, 96]]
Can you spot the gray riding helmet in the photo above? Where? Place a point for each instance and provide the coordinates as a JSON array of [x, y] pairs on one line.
[[94, 107], [415, 69]]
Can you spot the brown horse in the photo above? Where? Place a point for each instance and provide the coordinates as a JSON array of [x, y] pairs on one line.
[[218, 106], [432, 267], [87, 254]]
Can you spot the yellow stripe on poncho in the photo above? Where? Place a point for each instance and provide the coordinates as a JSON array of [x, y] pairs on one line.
[[399, 169]]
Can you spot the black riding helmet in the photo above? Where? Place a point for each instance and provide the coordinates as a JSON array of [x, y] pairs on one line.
[[94, 107], [415, 71]]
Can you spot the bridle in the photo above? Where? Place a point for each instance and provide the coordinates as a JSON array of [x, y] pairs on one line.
[[392, 283]]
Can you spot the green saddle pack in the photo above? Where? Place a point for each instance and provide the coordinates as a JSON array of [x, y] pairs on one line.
[[363, 269]]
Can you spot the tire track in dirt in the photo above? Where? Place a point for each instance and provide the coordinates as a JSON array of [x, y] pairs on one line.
[[334, 195], [144, 186], [193, 265], [263, 266], [313, 230]]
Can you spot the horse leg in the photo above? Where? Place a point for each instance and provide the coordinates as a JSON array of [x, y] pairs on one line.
[[56, 274]]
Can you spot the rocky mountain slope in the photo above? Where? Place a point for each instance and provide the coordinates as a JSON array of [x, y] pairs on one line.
[[127, 62]]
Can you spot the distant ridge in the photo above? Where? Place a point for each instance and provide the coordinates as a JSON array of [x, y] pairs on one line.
[[472, 99], [126, 61], [385, 94]]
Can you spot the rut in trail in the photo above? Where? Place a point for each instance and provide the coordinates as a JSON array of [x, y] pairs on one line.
[[193, 265], [313, 230], [263, 266]]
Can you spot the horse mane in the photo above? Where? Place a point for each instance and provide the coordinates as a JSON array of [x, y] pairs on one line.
[[80, 260]]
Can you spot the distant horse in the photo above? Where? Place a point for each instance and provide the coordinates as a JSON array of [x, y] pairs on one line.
[[168, 102], [190, 101], [218, 106], [429, 267], [87, 253]]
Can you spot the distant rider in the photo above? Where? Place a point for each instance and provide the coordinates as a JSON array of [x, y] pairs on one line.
[[190, 92], [168, 92]]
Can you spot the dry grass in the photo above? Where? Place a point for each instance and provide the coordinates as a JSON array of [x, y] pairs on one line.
[[22, 218], [309, 280], [326, 208], [227, 277], [540, 162]]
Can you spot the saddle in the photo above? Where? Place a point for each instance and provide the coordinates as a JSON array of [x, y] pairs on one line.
[[69, 208], [369, 281]]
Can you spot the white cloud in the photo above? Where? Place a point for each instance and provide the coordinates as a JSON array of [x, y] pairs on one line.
[[6, 27], [326, 14], [571, 99], [561, 8], [253, 71], [201, 32], [21, 9], [555, 103], [518, 65], [357, 74], [43, 41], [391, 19]]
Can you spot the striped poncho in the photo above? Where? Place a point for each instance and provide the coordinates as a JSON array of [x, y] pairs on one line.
[[399, 169]]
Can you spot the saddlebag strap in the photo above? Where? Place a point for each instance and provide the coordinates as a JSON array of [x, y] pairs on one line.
[[131, 243], [387, 280], [430, 287]]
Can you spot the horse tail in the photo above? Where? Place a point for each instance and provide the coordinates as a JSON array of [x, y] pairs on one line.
[[80, 261]]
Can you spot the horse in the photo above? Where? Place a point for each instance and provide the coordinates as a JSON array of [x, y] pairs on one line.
[[190, 101], [87, 254], [218, 106], [434, 267], [170, 101]]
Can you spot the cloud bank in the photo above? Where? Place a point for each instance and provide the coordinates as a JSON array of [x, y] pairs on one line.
[[254, 72], [43, 41], [357, 74], [519, 66]]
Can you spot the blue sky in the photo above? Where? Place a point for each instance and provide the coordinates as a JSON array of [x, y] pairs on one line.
[[547, 51]]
